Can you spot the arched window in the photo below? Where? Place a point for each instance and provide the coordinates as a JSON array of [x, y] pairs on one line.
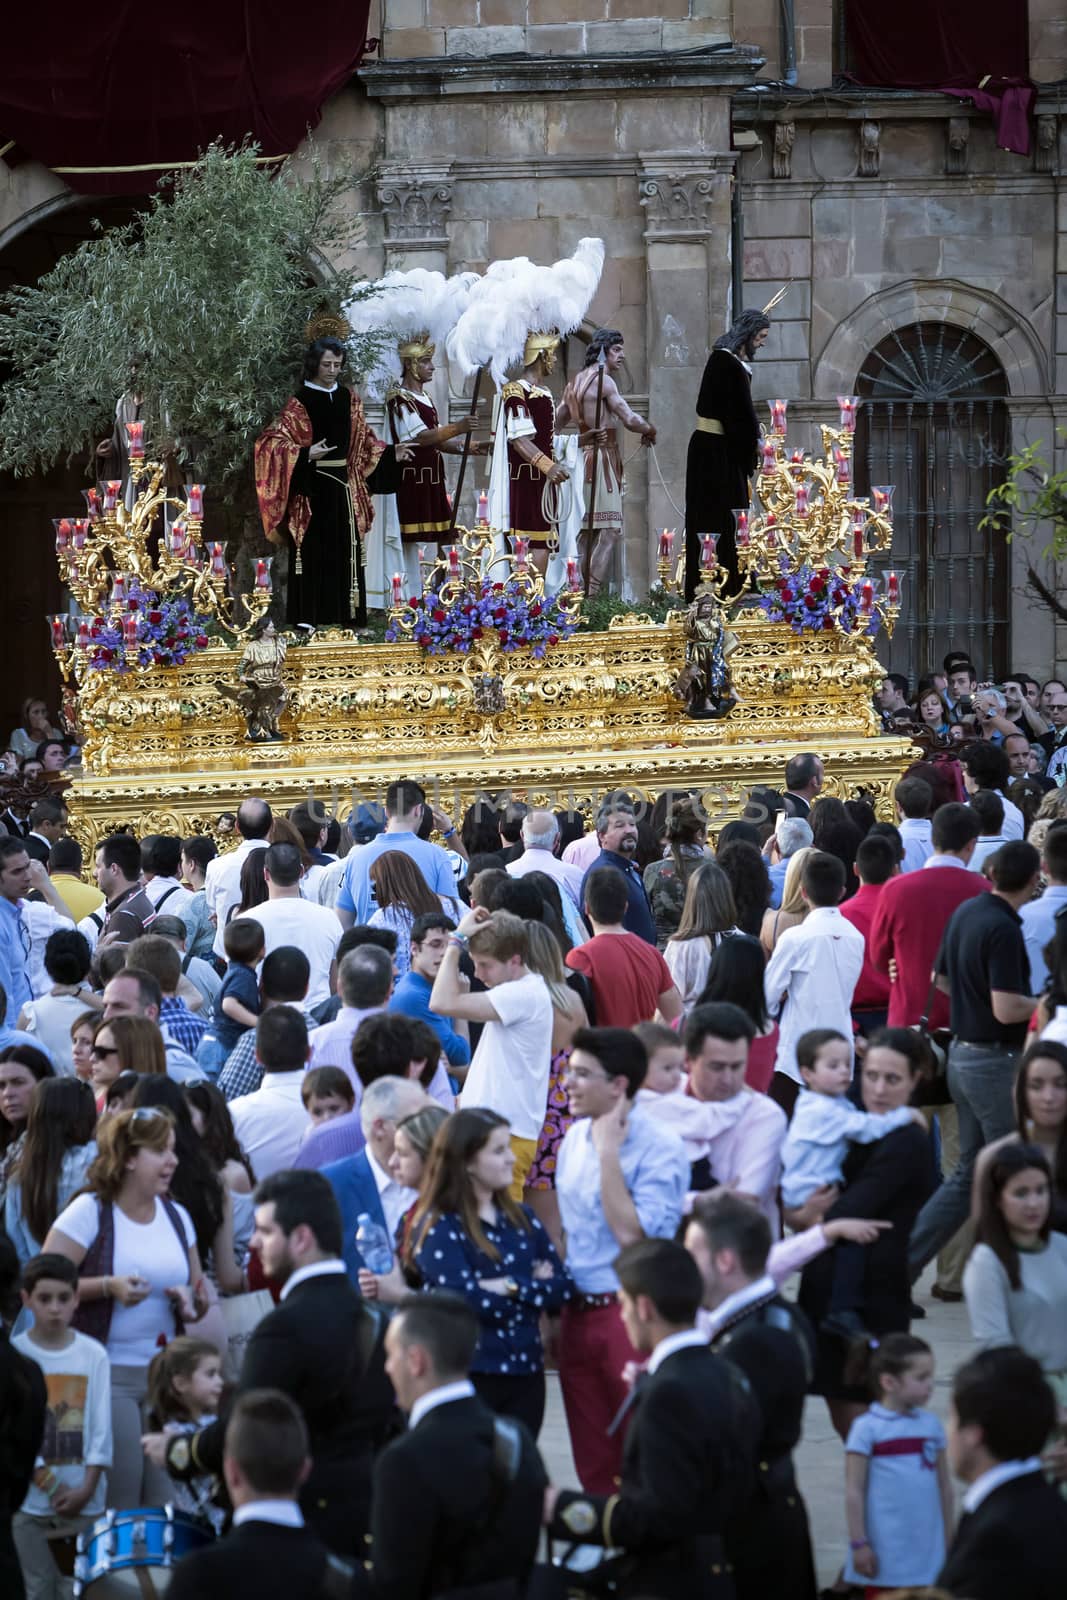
[[934, 424]]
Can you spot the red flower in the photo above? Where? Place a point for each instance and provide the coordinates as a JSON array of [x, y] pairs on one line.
[[439, 615], [201, 641], [498, 588], [155, 618], [553, 638], [414, 603], [424, 638], [810, 602], [499, 613], [105, 654], [786, 594], [535, 611], [828, 625], [476, 633], [817, 585]]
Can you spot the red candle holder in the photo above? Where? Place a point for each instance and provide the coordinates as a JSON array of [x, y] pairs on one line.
[[92, 503], [60, 626], [176, 538], [453, 561], [483, 509], [64, 528], [263, 565], [848, 407], [866, 598], [707, 553], [194, 499], [83, 640], [129, 630], [135, 440], [778, 417], [802, 500], [119, 595], [522, 551], [398, 589], [79, 533], [893, 588], [882, 499], [573, 574], [666, 544], [112, 490], [769, 456]]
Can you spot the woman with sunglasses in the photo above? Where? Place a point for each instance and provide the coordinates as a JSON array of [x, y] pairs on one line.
[[140, 1279], [125, 1044]]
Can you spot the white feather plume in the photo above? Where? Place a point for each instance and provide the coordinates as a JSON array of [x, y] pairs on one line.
[[516, 297], [405, 304]]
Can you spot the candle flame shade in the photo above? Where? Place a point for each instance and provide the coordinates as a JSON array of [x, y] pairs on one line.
[[135, 440], [92, 503], [263, 566], [112, 490], [778, 417], [848, 406], [882, 498], [194, 499]]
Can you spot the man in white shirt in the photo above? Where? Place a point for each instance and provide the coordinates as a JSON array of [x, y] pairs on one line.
[[989, 809], [540, 830], [222, 880], [288, 919], [509, 1071], [161, 865], [985, 766], [812, 974], [1039, 916], [271, 1122], [914, 801]]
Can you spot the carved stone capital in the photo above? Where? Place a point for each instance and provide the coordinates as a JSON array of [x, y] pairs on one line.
[[870, 160], [957, 144], [416, 204], [1045, 145], [782, 161], [679, 194]]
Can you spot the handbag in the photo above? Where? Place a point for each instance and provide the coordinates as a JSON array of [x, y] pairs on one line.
[[932, 1089], [241, 1316]]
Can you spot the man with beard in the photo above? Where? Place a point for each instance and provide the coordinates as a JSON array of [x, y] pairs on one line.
[[723, 448], [616, 829]]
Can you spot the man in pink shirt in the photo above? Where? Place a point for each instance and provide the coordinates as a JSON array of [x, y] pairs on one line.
[[748, 1154], [876, 864]]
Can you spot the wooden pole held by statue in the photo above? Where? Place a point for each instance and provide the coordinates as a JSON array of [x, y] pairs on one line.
[[466, 450], [589, 521]]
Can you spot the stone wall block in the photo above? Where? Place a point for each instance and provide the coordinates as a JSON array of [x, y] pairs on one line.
[[453, 13], [615, 38], [556, 39], [407, 13], [430, 133], [692, 35], [579, 126], [485, 41], [519, 128], [408, 44], [650, 122], [777, 258], [653, 10], [788, 217], [492, 13], [468, 244], [539, 239], [566, 10]]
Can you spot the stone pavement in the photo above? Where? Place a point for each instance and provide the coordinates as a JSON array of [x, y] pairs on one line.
[[820, 1459]]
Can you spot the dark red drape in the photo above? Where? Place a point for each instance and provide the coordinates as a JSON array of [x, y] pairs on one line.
[[975, 48], [916, 44], [109, 95]]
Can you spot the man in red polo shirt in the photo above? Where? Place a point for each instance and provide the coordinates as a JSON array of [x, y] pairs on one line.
[[631, 982], [909, 922], [876, 865]]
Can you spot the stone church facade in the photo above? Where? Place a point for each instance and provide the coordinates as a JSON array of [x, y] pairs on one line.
[[926, 266]]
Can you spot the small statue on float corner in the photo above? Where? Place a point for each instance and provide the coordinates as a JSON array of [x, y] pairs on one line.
[[260, 691], [704, 682]]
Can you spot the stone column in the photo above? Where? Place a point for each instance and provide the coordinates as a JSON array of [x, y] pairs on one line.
[[415, 204], [687, 241]]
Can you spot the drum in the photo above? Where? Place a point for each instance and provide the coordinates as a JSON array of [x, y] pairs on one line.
[[127, 1555]]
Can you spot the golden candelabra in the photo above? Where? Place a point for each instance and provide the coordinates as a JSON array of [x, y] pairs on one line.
[[154, 547], [807, 516]]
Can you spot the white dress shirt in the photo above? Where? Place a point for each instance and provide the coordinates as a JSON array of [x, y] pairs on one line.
[[271, 1122], [747, 1154], [816, 965], [222, 885], [690, 1339], [1039, 924], [915, 835], [562, 872], [1003, 1472], [283, 1513], [395, 1197], [316, 1269], [176, 900], [462, 1389], [713, 1320], [289, 920]]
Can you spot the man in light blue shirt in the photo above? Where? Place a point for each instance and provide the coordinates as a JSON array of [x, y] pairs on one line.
[[1039, 916], [14, 938], [620, 1177], [429, 941], [790, 835], [405, 802]]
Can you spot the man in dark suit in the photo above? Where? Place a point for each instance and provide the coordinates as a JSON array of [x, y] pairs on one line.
[[803, 782], [321, 1347], [364, 1183], [688, 1462], [769, 1542], [1012, 1533], [47, 823], [458, 1498], [269, 1550]]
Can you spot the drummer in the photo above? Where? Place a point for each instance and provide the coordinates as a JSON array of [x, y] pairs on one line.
[[67, 1492]]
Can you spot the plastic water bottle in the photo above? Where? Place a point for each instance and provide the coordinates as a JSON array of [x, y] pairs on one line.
[[374, 1245]]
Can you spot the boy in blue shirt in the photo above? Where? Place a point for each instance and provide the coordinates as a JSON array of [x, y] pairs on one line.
[[238, 1004], [411, 996]]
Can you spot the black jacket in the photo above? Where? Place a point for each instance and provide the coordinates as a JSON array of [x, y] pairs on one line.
[[685, 1469], [320, 1346], [1015, 1544], [439, 1523], [261, 1561], [769, 1543]]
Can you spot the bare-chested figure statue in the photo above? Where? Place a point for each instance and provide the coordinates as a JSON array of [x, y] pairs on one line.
[[599, 436]]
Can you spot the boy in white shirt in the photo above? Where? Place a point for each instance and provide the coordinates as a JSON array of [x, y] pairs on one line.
[[69, 1482], [825, 1122]]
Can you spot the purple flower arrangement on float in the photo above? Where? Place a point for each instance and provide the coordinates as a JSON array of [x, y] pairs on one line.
[[521, 620], [822, 600], [154, 631]]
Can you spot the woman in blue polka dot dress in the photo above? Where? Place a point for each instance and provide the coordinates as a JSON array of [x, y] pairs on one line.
[[470, 1237]]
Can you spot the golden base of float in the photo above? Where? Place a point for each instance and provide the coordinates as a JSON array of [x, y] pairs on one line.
[[165, 752]]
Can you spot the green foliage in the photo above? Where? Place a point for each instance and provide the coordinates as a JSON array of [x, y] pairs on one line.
[[599, 609], [1031, 494], [205, 298]]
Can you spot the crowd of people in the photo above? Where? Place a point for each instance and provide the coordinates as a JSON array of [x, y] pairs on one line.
[[347, 1125]]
